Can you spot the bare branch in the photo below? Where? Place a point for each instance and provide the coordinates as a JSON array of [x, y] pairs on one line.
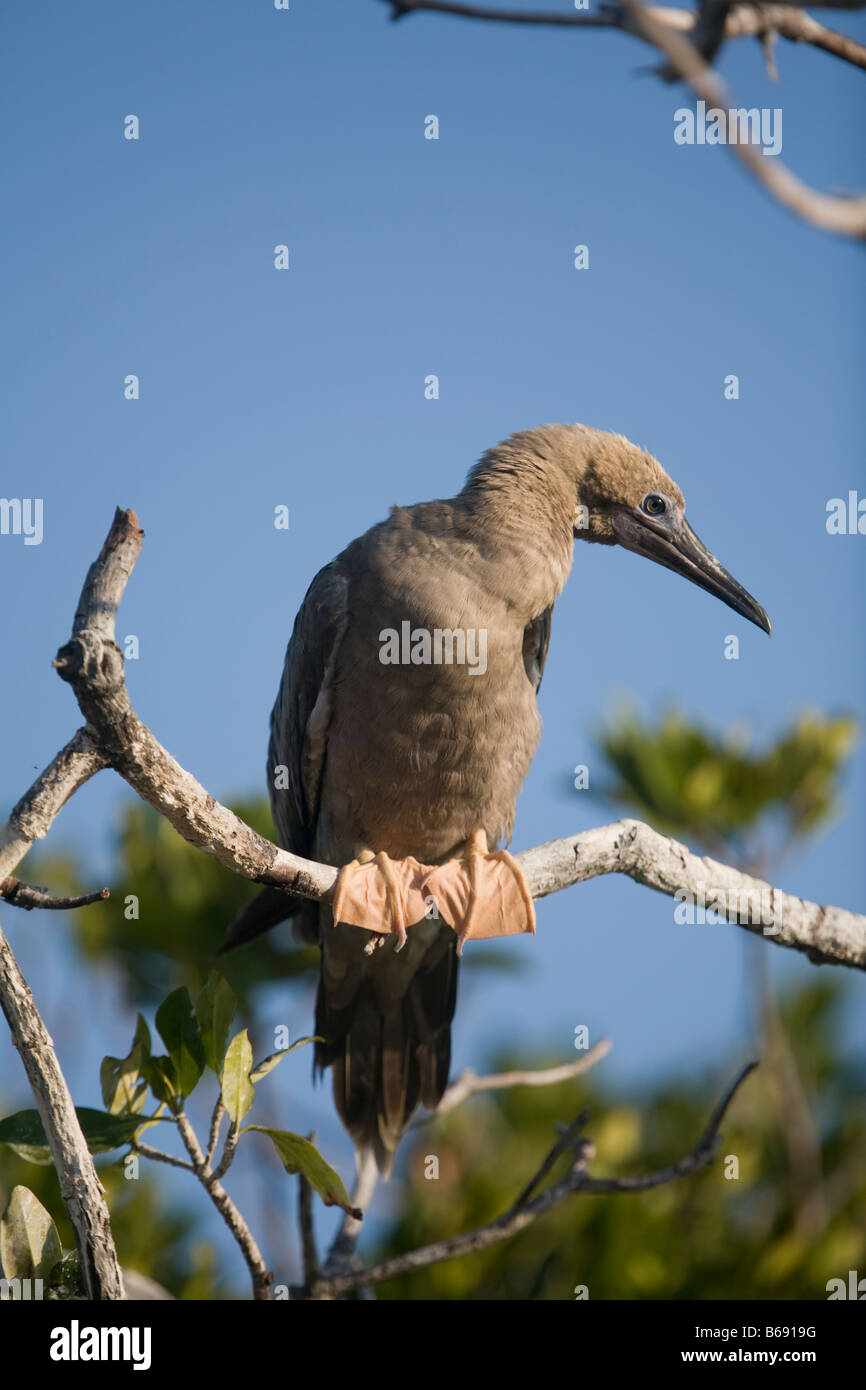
[[845, 216], [261, 1276], [841, 214], [569, 1141], [27, 896], [742, 21], [34, 814], [80, 1187], [469, 1084], [343, 1247], [216, 1119], [159, 1156], [305, 1222], [518, 1216], [93, 665]]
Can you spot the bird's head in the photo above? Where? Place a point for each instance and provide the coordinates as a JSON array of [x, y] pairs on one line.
[[624, 497]]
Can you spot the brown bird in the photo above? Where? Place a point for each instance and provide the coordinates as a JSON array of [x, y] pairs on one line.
[[405, 725]]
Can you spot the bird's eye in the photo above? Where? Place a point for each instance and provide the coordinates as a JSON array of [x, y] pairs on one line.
[[654, 505]]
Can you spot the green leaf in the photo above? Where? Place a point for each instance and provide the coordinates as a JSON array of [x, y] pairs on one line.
[[124, 1080], [34, 1153], [238, 1092], [298, 1155], [215, 1007], [162, 1081], [29, 1243], [262, 1068], [180, 1033], [102, 1132]]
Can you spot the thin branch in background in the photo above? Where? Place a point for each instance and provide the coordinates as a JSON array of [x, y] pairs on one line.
[[569, 1141], [309, 1251], [743, 20], [469, 1084], [840, 214], [845, 216], [26, 895], [343, 1246], [517, 1218]]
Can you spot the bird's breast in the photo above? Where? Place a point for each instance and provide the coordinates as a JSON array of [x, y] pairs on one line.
[[433, 730]]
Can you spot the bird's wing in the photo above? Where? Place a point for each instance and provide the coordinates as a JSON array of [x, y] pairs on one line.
[[303, 709], [296, 752], [536, 640]]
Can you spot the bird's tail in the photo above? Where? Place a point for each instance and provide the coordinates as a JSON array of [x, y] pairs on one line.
[[388, 1061]]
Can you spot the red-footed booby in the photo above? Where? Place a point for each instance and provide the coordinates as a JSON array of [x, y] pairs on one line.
[[405, 725]]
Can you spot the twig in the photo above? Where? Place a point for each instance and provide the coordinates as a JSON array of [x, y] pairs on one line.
[[568, 1141], [34, 814], [228, 1152], [842, 215], [343, 1247], [215, 1121], [789, 21], [159, 1156], [517, 1218], [27, 896], [469, 1084], [305, 1223], [80, 1187], [845, 216], [262, 1277]]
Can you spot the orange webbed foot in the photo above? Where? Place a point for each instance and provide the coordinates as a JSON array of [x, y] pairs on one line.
[[483, 894], [380, 894]]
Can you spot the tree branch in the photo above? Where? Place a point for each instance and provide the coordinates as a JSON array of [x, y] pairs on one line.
[[469, 1084], [34, 814], [92, 663], [80, 1187], [261, 1276], [26, 896], [524, 1212], [841, 214], [789, 21]]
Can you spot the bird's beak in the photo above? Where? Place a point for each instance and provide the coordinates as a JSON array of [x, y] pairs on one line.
[[672, 542]]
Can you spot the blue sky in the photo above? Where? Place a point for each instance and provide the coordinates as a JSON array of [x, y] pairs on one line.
[[306, 388]]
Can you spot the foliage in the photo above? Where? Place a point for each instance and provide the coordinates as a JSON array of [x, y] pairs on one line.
[[195, 1037], [707, 1237], [689, 781], [185, 900]]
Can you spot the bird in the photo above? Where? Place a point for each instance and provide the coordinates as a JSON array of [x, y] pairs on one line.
[[405, 769]]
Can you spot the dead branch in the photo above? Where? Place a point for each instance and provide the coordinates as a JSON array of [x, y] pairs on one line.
[[743, 20], [93, 665], [80, 1187], [26, 895], [469, 1084], [527, 1209], [715, 22], [843, 215]]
